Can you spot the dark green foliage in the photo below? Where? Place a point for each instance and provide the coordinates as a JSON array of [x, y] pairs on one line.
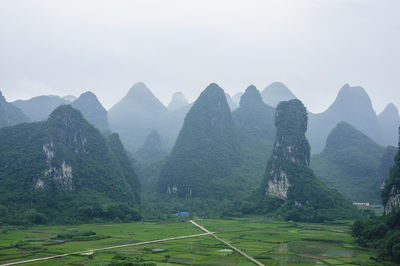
[[255, 119], [353, 163], [64, 170], [384, 232], [205, 152], [392, 187], [9, 114], [381, 233], [290, 188], [386, 163], [151, 150], [92, 110], [255, 125]]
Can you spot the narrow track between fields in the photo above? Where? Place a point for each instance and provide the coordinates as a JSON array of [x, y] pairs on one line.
[[227, 244], [106, 248]]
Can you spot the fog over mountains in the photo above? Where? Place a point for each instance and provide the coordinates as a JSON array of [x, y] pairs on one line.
[[348, 140], [137, 114], [9, 114], [209, 156]]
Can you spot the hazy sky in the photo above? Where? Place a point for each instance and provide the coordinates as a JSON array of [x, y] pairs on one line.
[[313, 46]]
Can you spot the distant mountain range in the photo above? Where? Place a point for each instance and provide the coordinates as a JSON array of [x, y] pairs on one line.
[[92, 110], [353, 163], [9, 114], [352, 105], [178, 101], [275, 93], [137, 114], [39, 108], [149, 130]]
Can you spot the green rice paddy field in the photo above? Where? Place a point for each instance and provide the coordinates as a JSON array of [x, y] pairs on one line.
[[270, 242]]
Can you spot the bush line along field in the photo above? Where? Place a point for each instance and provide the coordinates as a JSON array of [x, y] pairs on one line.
[[269, 241]]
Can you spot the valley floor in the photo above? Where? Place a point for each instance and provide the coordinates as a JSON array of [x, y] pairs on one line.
[[270, 242]]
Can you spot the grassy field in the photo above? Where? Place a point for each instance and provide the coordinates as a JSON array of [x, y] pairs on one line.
[[271, 242]]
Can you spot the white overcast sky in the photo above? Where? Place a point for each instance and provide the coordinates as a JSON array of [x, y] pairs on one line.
[[313, 46]]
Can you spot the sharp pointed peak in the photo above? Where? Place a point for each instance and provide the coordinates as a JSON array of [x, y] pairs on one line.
[[390, 111], [212, 89], [177, 101], [353, 94], [88, 93], [390, 107], [277, 86], [139, 88], [214, 86], [250, 97], [275, 93]]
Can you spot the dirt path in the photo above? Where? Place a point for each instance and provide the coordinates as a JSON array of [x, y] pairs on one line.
[[226, 243], [106, 248]]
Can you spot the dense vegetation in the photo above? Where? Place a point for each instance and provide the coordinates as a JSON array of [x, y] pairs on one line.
[[9, 114], [64, 170], [353, 163], [383, 233], [255, 126], [253, 122], [152, 149], [290, 188], [205, 152]]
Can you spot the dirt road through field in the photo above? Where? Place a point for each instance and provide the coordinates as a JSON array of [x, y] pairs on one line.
[[106, 248], [227, 244]]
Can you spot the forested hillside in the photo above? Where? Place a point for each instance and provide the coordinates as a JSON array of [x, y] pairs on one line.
[[64, 170]]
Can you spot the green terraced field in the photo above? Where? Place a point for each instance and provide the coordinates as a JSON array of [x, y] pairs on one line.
[[269, 241]]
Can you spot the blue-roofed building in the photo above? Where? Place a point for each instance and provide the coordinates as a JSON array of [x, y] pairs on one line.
[[182, 214]]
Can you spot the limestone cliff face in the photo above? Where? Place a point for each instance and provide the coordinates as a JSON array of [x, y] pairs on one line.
[[61, 174], [279, 185], [289, 183], [393, 201], [291, 147], [391, 191], [57, 165]]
